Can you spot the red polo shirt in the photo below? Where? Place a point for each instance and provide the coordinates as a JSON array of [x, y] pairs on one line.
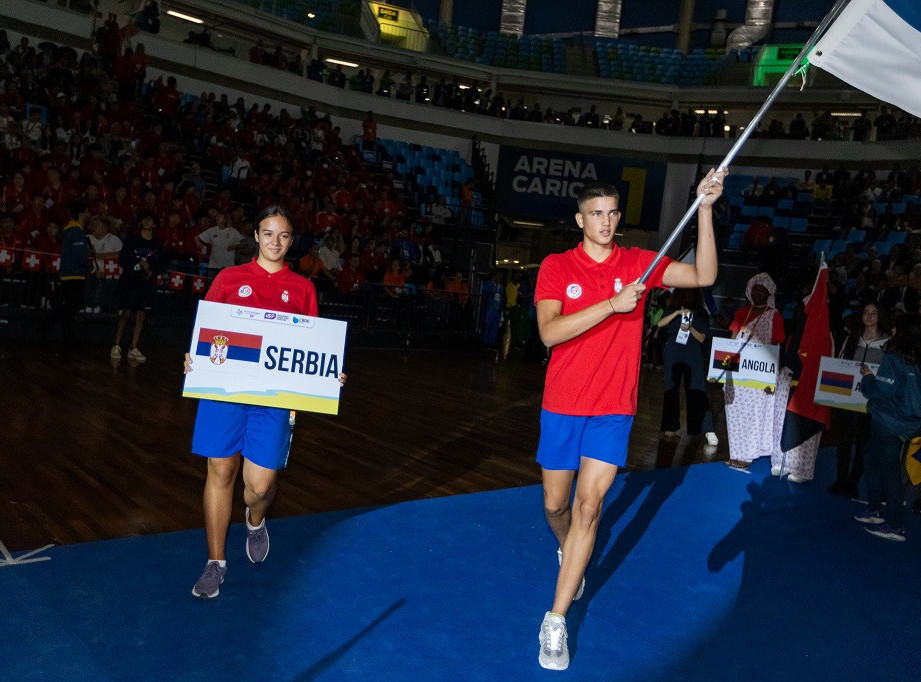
[[597, 372], [252, 285]]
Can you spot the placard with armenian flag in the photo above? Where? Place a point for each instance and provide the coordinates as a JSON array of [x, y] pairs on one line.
[[838, 384]]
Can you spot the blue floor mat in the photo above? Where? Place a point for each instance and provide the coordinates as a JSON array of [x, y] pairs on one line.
[[700, 573]]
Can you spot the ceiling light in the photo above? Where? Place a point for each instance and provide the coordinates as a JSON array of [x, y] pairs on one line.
[[340, 62], [186, 17], [527, 223], [855, 114], [311, 15]]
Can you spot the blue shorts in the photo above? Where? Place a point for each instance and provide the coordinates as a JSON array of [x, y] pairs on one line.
[[261, 434], [565, 438]]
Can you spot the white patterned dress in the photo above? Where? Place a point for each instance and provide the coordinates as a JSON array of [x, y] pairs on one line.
[[750, 411]]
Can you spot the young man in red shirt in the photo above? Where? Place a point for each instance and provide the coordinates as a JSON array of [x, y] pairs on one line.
[[590, 311], [228, 433]]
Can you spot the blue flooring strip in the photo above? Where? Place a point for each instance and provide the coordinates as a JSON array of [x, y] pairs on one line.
[[700, 573]]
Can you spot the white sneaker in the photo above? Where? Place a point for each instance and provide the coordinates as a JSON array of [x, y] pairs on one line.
[[554, 654], [711, 438], [775, 471], [793, 478], [116, 352], [136, 355], [559, 556]]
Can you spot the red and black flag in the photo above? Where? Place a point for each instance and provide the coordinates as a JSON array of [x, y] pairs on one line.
[[804, 418], [727, 361]]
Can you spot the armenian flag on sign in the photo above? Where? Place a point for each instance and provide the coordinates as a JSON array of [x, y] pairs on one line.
[[836, 382], [726, 360], [220, 346]]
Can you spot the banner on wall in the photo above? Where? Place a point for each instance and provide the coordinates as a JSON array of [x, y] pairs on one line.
[[540, 184]]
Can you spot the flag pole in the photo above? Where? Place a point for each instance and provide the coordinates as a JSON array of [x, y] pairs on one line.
[[749, 129]]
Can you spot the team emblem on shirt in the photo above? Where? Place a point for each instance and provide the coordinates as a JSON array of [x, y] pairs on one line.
[[618, 285], [284, 296], [573, 291], [244, 291]]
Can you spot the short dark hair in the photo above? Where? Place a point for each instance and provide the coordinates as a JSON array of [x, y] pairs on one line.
[[594, 190], [270, 212], [906, 342], [77, 209]]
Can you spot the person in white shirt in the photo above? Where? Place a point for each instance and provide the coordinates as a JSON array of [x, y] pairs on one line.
[[224, 242], [440, 211], [330, 256], [99, 294]]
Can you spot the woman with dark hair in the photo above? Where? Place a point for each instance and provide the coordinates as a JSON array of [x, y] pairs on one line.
[[865, 344], [256, 437], [894, 403], [686, 326]]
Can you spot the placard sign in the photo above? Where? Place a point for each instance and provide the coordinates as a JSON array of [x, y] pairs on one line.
[[744, 363], [265, 357], [838, 384]]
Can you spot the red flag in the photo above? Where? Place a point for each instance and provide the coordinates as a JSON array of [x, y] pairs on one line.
[[31, 261], [53, 262], [198, 284], [6, 257], [176, 281], [816, 342], [111, 268]]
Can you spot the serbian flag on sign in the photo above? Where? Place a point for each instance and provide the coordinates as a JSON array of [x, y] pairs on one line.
[[804, 418], [875, 45], [221, 346]]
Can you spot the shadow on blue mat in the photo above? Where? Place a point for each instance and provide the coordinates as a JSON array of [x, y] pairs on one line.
[[700, 573]]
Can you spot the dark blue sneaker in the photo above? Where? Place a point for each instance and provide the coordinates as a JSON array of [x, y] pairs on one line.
[[884, 530], [871, 516], [208, 586], [257, 541]]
